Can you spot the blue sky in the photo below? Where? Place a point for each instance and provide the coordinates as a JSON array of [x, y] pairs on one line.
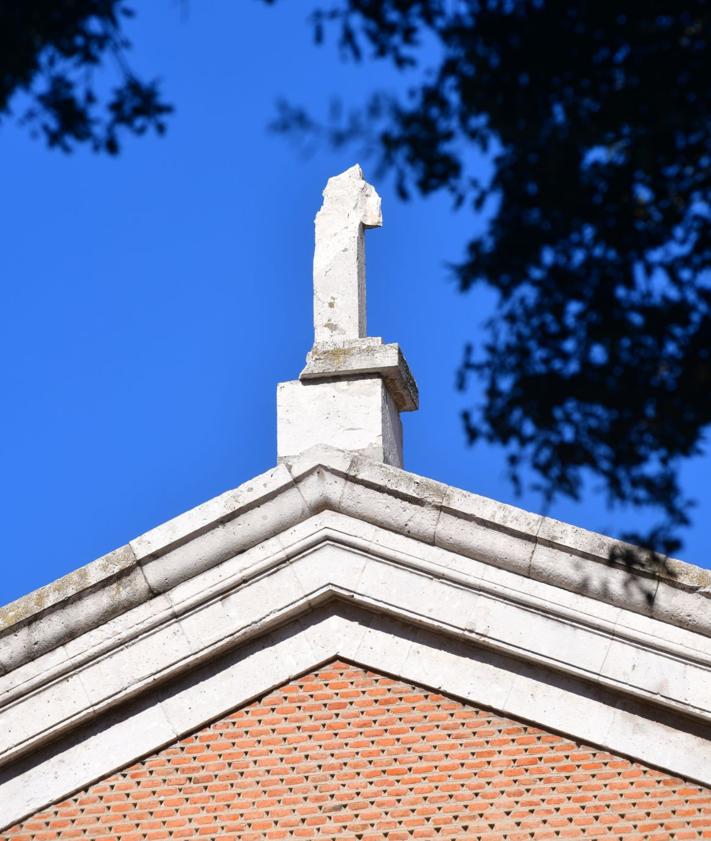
[[152, 302]]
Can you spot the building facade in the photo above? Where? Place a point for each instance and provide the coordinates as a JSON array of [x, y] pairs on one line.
[[340, 649]]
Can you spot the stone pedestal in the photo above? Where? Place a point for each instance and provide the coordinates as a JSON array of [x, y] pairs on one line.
[[356, 414], [349, 395]]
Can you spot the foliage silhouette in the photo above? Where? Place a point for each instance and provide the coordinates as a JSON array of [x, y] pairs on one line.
[[595, 120], [50, 52]]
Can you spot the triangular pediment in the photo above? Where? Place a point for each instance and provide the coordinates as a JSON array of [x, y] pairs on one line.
[[335, 556]]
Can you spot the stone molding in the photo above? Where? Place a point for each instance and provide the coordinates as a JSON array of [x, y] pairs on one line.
[[363, 357], [635, 659], [292, 645], [323, 478]]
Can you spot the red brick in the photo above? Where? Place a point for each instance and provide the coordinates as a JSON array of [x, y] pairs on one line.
[[344, 752]]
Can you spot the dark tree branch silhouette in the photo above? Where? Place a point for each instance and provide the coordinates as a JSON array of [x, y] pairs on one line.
[[50, 52], [596, 120]]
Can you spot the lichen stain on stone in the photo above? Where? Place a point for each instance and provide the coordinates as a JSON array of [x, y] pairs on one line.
[[335, 357], [28, 605], [689, 575], [48, 596]]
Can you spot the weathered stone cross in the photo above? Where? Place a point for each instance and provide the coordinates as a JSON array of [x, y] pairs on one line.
[[350, 205], [353, 388]]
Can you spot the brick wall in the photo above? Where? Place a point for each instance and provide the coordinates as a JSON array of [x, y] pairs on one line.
[[347, 754]]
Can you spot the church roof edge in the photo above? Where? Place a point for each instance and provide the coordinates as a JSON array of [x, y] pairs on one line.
[[322, 478]]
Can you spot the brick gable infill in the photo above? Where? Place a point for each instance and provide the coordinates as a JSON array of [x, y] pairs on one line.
[[347, 753]]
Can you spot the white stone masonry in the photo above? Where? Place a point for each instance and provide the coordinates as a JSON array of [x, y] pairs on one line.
[[353, 388], [350, 205]]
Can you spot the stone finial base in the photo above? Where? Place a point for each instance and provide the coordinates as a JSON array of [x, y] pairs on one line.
[[356, 414], [364, 356], [349, 395]]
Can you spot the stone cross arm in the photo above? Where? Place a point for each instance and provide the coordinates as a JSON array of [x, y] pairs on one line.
[[350, 205]]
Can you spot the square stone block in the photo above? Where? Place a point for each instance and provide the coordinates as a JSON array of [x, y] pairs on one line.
[[355, 414]]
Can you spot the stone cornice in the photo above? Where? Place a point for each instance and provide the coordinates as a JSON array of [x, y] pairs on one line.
[[326, 479], [362, 357], [333, 555]]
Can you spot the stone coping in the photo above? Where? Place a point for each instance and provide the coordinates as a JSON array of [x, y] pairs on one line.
[[325, 478], [333, 556], [362, 357]]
